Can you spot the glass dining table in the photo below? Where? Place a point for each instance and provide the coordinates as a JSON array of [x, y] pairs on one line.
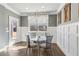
[[38, 40]]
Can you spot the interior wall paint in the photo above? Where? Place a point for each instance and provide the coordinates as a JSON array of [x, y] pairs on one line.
[[24, 21], [53, 32], [4, 13], [50, 30], [74, 12], [38, 20], [67, 33], [52, 20], [24, 32], [67, 38]]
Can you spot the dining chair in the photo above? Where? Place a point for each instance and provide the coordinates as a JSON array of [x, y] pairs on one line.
[[46, 44], [48, 41], [30, 45]]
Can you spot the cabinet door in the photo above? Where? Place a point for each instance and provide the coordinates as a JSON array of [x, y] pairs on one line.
[[73, 39]]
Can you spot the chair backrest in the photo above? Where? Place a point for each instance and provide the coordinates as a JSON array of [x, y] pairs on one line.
[[48, 41], [32, 35], [28, 41]]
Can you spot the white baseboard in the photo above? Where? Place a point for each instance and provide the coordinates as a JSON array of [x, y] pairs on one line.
[[4, 49]]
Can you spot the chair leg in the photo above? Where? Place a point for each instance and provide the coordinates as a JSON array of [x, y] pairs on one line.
[[28, 51], [50, 50]]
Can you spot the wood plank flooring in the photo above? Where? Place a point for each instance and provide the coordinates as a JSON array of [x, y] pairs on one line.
[[55, 51]]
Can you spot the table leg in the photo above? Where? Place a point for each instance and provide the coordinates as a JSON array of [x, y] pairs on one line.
[[38, 48]]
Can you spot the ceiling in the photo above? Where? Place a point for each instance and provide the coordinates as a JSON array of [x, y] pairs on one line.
[[34, 7]]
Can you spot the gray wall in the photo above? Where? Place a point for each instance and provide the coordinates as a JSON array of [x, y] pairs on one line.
[[4, 13], [74, 12], [52, 21], [24, 21]]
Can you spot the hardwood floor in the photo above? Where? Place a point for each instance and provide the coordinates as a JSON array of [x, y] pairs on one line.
[[23, 51], [55, 51]]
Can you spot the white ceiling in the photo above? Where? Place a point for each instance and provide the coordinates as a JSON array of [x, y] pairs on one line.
[[34, 7]]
